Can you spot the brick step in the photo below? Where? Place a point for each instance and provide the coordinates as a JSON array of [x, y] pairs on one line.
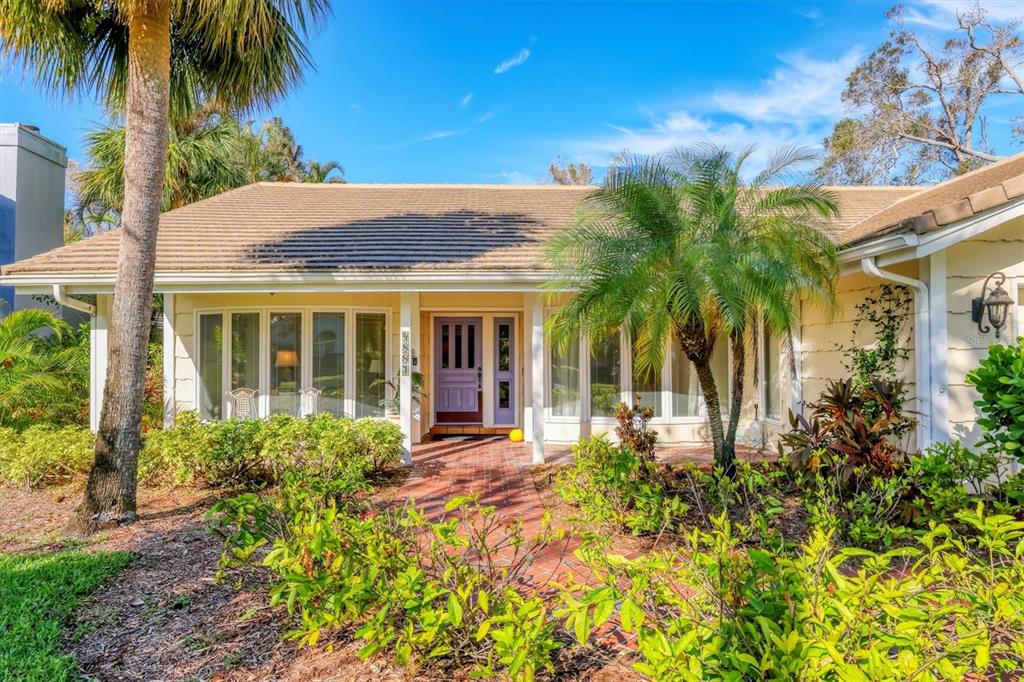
[[468, 430]]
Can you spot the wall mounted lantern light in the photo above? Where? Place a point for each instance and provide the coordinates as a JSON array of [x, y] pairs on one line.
[[993, 303]]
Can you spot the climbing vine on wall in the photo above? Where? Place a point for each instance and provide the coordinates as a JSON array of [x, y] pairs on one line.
[[886, 314]]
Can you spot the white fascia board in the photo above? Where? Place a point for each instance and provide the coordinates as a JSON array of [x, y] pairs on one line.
[[254, 282]]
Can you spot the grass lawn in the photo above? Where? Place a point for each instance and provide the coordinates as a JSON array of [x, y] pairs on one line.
[[38, 592]]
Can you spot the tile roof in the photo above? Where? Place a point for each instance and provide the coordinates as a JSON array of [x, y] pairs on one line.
[[946, 202], [308, 227]]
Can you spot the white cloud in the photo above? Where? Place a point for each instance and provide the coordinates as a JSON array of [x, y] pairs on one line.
[[356, 107], [513, 62], [801, 88], [941, 14], [797, 104], [513, 177], [812, 14], [440, 135], [466, 99], [485, 117]]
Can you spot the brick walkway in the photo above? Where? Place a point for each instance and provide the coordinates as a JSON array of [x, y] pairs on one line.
[[499, 470]]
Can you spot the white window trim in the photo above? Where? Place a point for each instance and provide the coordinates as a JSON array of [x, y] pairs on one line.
[[306, 352]]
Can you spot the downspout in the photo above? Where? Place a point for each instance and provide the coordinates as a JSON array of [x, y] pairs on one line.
[[65, 300], [922, 343]]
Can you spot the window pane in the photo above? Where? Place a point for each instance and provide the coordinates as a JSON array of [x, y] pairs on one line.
[[772, 377], [720, 370], [458, 346], [605, 387], [504, 395], [471, 345], [444, 346], [648, 387], [685, 392], [245, 350], [504, 347], [565, 381], [211, 365], [329, 361], [370, 350], [285, 362]]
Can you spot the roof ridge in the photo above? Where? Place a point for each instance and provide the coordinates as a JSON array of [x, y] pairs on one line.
[[422, 185]]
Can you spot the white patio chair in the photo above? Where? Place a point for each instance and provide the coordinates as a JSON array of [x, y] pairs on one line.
[[242, 403], [309, 401]]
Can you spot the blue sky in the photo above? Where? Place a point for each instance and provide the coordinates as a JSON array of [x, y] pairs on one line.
[[492, 92]]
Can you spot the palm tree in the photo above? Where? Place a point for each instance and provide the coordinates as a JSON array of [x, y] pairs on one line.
[[681, 246], [43, 367], [202, 160], [321, 172], [153, 60]]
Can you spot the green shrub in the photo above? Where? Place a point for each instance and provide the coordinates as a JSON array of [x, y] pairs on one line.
[[430, 593], [999, 379], [611, 485], [44, 454], [949, 608], [255, 453]]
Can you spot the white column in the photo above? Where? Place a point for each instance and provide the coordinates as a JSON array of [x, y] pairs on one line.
[[408, 309], [98, 326], [537, 376], [169, 347], [938, 308]]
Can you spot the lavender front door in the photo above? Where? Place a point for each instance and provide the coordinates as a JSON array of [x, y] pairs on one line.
[[458, 366]]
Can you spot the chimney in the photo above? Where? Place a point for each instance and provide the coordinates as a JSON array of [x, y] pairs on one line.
[[31, 198]]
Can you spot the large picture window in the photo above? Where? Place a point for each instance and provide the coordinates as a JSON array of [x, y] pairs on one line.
[[370, 363], [211, 365], [278, 353], [605, 382], [648, 386], [772, 376], [565, 380]]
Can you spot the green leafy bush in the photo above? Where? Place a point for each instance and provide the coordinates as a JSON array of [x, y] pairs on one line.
[[258, 452], [611, 485], [999, 379], [433, 594], [44, 454], [948, 608]]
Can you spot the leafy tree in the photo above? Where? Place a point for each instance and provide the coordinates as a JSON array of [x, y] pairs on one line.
[[681, 246], [322, 172], [563, 173], [44, 368], [919, 108], [155, 61]]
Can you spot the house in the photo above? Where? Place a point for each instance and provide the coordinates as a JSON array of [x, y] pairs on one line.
[[352, 289]]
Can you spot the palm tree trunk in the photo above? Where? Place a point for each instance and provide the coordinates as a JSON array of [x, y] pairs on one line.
[[110, 492], [709, 390], [739, 360]]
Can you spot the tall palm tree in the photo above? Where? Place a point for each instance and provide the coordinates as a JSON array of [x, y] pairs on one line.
[[150, 59], [681, 246]]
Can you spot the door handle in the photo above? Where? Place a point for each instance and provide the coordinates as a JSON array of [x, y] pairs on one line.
[[479, 378]]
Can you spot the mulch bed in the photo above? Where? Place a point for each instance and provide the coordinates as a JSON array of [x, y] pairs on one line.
[[166, 618]]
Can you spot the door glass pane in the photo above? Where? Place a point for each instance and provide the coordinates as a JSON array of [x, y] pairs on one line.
[[648, 387], [458, 346], [285, 362], [772, 377], [605, 386], [685, 391], [471, 345], [444, 346], [565, 381], [504, 347], [370, 350], [245, 350], [504, 394], [211, 365], [329, 361]]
